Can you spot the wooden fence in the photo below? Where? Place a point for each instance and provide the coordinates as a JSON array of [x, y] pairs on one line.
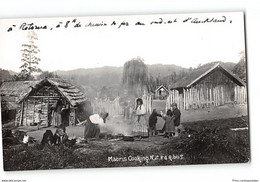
[[112, 107], [147, 101], [202, 98], [240, 95]]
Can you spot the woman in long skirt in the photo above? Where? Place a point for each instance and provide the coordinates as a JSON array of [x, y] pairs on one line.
[[140, 127], [169, 124], [57, 114]]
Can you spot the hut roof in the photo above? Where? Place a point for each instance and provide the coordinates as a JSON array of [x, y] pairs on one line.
[[16, 91], [200, 73], [161, 86], [11, 91]]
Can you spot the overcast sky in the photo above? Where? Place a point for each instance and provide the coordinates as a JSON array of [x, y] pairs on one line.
[[184, 44]]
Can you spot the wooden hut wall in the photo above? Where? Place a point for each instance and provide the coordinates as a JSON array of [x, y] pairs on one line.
[[41, 99], [19, 114], [214, 90]]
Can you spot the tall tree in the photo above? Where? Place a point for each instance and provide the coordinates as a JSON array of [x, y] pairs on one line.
[[135, 76], [29, 57], [240, 68], [151, 84]]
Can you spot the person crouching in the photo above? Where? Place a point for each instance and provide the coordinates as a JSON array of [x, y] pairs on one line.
[[92, 127]]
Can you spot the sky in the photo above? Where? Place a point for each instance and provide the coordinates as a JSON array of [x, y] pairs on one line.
[[181, 43]]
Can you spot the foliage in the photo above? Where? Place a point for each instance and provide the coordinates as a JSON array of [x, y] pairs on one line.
[[135, 76], [240, 67], [152, 84], [22, 77], [108, 92], [213, 142], [203, 142], [47, 74], [29, 57], [215, 146], [4, 75]]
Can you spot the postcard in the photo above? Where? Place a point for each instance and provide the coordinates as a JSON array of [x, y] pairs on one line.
[[124, 91]]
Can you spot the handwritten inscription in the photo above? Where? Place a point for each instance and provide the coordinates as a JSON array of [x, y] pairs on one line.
[[91, 24], [206, 20], [32, 26], [161, 21], [75, 23]]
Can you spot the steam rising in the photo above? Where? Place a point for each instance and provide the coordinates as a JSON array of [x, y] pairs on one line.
[[117, 125]]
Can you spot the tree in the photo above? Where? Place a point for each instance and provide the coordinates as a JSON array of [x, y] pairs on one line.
[[29, 57], [151, 85], [240, 68], [4, 76], [135, 76]]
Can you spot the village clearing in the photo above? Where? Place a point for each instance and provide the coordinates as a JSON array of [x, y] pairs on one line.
[[204, 141]]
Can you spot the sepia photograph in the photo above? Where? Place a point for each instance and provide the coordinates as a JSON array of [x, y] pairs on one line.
[[124, 91]]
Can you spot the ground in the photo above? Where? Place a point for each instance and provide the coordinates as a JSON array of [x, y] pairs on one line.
[[211, 139], [220, 112]]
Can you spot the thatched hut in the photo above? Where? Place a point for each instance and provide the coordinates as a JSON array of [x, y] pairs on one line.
[[27, 97], [161, 92], [208, 85]]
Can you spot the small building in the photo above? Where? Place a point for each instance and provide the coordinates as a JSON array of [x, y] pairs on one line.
[[207, 86], [27, 97], [161, 92]]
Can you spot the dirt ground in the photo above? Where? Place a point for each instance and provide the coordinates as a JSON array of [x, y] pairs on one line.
[[203, 142], [218, 135], [118, 125], [220, 112]]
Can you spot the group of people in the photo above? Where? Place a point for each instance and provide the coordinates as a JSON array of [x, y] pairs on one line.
[[170, 128], [60, 115], [142, 127]]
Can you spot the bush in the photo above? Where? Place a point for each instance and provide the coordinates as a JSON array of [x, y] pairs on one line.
[[212, 146]]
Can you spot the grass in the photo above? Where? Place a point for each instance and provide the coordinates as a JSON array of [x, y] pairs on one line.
[[204, 142]]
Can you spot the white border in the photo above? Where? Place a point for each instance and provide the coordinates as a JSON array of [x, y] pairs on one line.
[[48, 8]]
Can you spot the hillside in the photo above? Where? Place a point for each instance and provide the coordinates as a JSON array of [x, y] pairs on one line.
[[164, 70], [5, 75], [96, 77], [111, 76]]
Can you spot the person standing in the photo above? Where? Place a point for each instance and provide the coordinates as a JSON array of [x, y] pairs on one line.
[[65, 118], [140, 127], [169, 125], [38, 119], [153, 122], [177, 117], [57, 114]]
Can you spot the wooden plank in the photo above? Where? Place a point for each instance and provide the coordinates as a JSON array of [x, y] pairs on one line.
[[222, 95], [33, 108], [51, 97], [26, 112], [21, 113]]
